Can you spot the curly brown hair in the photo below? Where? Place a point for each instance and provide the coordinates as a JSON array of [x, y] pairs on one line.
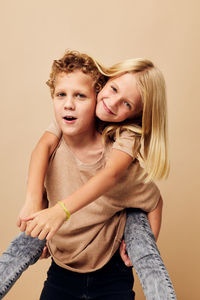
[[74, 60]]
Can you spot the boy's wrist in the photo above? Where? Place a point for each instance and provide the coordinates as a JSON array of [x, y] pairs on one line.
[[33, 198]]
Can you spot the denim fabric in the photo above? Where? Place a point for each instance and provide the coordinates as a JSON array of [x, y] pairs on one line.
[[145, 257], [22, 252], [112, 282]]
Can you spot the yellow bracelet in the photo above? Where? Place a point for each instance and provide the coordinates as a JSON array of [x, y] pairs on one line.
[[65, 209]]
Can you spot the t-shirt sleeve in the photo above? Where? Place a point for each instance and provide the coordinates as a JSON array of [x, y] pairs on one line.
[[146, 197], [55, 129], [127, 142], [133, 191]]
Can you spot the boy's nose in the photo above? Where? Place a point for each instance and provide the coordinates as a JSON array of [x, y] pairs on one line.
[[69, 103]]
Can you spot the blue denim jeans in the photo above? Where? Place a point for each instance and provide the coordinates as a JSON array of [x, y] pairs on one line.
[[114, 281], [145, 257], [141, 247]]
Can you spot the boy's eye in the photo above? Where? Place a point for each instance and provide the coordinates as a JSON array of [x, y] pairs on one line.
[[81, 96], [114, 89], [127, 104]]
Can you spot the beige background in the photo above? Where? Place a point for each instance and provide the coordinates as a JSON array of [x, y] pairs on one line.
[[33, 33]]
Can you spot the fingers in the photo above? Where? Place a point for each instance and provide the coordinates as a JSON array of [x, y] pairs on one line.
[[127, 261], [50, 235], [44, 224], [124, 255], [43, 234], [40, 231], [45, 253], [29, 218], [30, 226], [23, 226], [122, 248]]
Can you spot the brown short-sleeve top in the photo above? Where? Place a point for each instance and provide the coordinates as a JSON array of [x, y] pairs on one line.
[[87, 241]]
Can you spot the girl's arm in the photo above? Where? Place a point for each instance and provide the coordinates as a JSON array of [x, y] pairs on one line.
[[36, 174], [101, 183], [45, 223]]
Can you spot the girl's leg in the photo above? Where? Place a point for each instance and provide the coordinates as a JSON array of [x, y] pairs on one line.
[[145, 257], [22, 252]]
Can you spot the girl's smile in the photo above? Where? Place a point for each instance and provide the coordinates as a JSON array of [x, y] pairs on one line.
[[119, 99], [107, 109]]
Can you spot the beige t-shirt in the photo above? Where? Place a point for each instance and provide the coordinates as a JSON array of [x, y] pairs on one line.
[[91, 236]]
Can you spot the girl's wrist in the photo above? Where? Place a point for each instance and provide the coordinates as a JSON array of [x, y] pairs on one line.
[[65, 211]]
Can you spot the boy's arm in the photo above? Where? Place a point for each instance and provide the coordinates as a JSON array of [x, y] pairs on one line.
[[36, 174], [155, 218], [47, 222]]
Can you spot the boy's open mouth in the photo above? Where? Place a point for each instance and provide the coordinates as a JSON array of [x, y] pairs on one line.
[[69, 118]]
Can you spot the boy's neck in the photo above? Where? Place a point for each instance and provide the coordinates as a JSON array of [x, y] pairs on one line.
[[88, 148], [83, 141]]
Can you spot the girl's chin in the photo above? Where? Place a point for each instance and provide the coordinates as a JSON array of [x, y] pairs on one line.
[[103, 118]]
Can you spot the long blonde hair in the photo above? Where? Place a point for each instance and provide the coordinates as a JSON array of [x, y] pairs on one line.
[[153, 122]]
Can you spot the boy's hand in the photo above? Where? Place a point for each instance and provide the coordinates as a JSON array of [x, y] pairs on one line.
[[45, 253], [45, 223], [124, 255], [30, 207], [27, 210]]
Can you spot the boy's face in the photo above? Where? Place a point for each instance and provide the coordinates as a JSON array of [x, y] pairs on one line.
[[74, 103]]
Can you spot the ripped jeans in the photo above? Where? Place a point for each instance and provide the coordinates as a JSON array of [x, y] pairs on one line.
[[141, 247]]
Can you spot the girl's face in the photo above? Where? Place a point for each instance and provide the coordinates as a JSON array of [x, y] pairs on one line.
[[119, 99]]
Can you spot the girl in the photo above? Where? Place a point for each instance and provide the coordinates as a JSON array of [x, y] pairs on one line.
[[117, 104]]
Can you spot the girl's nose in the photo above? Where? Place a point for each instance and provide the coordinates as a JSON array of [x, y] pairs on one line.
[[69, 103], [114, 102]]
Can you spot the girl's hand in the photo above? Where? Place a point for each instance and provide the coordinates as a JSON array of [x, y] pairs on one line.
[[45, 223], [124, 255]]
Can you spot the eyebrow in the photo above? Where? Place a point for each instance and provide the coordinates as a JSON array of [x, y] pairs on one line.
[[76, 90]]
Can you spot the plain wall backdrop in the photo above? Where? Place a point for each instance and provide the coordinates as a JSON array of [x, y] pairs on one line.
[[33, 34]]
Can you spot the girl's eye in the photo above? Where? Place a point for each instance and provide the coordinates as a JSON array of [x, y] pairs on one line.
[[60, 95], [127, 104], [114, 89], [81, 96]]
